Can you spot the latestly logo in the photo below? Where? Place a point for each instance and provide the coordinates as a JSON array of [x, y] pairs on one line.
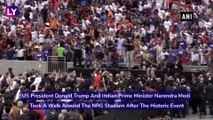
[[12, 11], [186, 16]]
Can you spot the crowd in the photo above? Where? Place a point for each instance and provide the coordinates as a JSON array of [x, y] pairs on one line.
[[100, 31], [12, 107]]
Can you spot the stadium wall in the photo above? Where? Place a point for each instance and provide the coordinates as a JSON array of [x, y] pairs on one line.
[[22, 66]]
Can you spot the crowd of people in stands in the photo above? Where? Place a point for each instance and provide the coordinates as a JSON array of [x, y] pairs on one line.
[[112, 31]]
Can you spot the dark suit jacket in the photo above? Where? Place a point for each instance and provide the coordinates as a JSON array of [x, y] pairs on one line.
[[1, 109], [23, 117], [179, 65], [200, 91], [209, 91], [181, 89]]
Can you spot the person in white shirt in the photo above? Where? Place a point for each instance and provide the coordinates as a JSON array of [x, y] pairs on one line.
[[99, 10], [120, 48], [159, 49], [20, 53], [36, 83], [118, 17], [207, 24], [140, 7], [143, 48], [13, 85], [114, 7], [167, 24], [163, 54], [1, 79], [9, 2], [17, 2], [148, 5], [143, 32], [172, 35], [66, 33], [159, 3], [41, 5], [107, 7], [189, 38], [41, 38], [85, 24], [34, 35], [161, 13], [13, 29], [195, 57]]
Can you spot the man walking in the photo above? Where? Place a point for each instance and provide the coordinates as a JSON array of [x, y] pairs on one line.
[[209, 89]]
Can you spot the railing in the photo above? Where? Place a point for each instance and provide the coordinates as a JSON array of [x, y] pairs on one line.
[[187, 57], [55, 63]]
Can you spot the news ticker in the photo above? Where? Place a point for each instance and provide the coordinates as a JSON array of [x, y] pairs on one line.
[[104, 95], [107, 106]]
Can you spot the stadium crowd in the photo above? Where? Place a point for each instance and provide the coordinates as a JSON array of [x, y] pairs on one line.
[[99, 31]]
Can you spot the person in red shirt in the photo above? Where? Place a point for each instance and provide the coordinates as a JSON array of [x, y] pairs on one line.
[[41, 113], [97, 80]]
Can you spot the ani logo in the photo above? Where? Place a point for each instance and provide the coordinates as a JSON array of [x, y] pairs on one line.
[[12, 11], [186, 16]]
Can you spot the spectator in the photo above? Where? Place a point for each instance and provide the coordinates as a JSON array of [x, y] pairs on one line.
[[6, 115], [78, 51], [88, 54], [209, 96], [15, 111], [10, 52], [20, 53], [129, 51], [60, 51]]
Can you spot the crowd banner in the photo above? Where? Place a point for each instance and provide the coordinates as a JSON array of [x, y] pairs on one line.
[[56, 63]]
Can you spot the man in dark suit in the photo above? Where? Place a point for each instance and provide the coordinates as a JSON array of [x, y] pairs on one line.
[[201, 97], [1, 106], [209, 90], [178, 66], [182, 88], [167, 66], [24, 116], [194, 101]]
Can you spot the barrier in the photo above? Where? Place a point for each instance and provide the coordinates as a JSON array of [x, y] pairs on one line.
[[19, 67], [55, 63], [187, 57]]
